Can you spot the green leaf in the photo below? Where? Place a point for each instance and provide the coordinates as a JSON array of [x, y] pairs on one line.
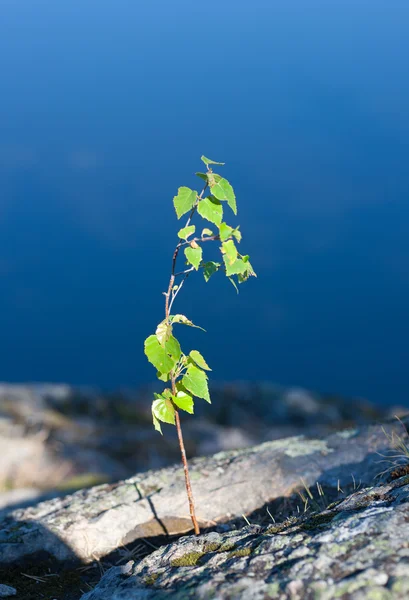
[[184, 201], [195, 381], [237, 234], [208, 161], [156, 424], [194, 256], [225, 231], [222, 190], [165, 357], [184, 401], [184, 321], [199, 360], [186, 232], [211, 209], [249, 272], [163, 409], [230, 252], [206, 231], [233, 284], [235, 268], [163, 332], [162, 376], [209, 268], [202, 176]]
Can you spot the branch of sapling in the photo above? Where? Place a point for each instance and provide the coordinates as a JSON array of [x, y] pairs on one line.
[[187, 374]]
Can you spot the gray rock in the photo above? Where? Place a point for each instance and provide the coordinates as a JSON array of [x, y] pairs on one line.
[[92, 523], [356, 550], [6, 591]]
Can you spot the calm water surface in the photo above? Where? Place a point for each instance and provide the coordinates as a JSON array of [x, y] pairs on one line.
[[105, 109]]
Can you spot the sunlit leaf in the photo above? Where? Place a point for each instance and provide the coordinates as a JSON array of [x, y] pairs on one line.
[[156, 424], [237, 234], [236, 267], [165, 357], [194, 256], [195, 381], [222, 190], [207, 232], [163, 409], [233, 284], [184, 321], [208, 161], [225, 231], [163, 332], [199, 360], [186, 232], [184, 201], [229, 251], [211, 209], [184, 401]]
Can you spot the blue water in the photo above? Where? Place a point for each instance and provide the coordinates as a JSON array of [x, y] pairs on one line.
[[105, 109]]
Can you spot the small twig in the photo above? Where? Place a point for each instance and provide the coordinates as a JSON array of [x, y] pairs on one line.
[[179, 288], [184, 272], [211, 238]]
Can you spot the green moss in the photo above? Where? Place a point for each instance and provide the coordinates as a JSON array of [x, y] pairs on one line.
[[226, 546], [187, 560], [240, 552], [317, 520], [211, 547], [276, 528], [150, 580]]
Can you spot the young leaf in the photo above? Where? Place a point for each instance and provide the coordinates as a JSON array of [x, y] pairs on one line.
[[208, 161], [184, 201], [184, 321], [199, 360], [186, 232], [225, 231], [237, 234], [233, 284], [237, 267], [230, 252], [206, 231], [165, 357], [209, 268], [162, 376], [163, 409], [195, 381], [211, 209], [202, 176], [194, 256], [156, 424], [184, 401], [163, 332], [222, 190]]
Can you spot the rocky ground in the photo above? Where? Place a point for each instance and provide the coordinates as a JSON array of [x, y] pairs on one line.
[[328, 516], [55, 438], [357, 548]]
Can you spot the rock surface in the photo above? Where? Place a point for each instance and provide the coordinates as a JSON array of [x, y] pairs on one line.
[[60, 438], [93, 523], [6, 591], [358, 549]]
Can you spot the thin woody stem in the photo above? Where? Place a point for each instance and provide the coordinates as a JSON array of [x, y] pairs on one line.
[[185, 467], [169, 299]]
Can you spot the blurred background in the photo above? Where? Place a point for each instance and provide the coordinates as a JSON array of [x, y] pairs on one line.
[[105, 110]]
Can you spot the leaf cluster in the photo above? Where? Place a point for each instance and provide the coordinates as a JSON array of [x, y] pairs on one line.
[[187, 373]]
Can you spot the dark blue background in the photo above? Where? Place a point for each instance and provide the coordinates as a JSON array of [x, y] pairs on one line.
[[105, 109]]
